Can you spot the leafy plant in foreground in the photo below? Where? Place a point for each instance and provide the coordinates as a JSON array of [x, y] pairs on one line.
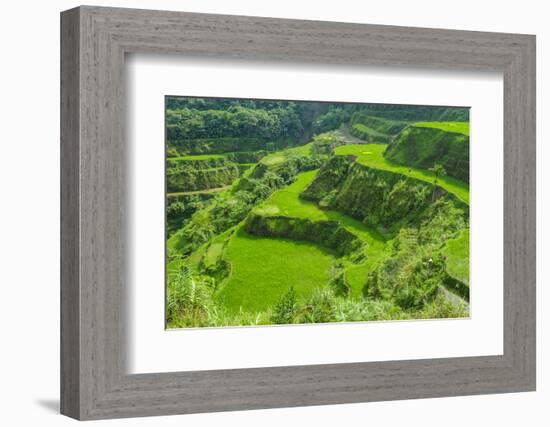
[[285, 310], [188, 297], [320, 307]]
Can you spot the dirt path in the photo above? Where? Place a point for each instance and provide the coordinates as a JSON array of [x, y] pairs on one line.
[[347, 137]]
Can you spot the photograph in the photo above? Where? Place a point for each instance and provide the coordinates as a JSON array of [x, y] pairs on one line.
[[299, 212]]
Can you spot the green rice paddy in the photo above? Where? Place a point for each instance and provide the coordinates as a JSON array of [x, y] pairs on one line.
[[457, 127], [262, 269], [372, 155]]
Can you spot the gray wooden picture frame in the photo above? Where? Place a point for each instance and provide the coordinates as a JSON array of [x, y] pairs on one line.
[[94, 382]]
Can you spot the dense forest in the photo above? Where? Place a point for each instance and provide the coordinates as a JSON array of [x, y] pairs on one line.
[[309, 212]]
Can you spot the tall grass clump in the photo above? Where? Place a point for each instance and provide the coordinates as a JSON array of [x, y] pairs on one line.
[[188, 298], [285, 310]]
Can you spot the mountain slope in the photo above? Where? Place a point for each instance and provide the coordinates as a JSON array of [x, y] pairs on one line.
[[423, 147]]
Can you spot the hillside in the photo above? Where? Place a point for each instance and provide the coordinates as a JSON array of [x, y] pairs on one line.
[[456, 127], [376, 156], [185, 174], [425, 145]]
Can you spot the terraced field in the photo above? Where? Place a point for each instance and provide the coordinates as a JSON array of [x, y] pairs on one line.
[[372, 155], [287, 202], [197, 157], [206, 191], [457, 127], [280, 156], [375, 129], [262, 269], [368, 134]]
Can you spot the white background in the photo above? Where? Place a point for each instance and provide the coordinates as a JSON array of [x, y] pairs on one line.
[[152, 349], [29, 225]]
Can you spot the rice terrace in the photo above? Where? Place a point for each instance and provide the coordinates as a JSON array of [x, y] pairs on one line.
[[281, 212]]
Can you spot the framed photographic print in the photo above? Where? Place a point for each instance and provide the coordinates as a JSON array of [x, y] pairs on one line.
[[262, 213], [289, 212]]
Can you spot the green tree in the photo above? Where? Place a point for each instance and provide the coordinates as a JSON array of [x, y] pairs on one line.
[[438, 170]]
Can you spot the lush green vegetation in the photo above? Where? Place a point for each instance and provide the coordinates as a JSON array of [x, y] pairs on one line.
[[272, 265], [374, 129], [237, 121], [287, 202], [378, 124], [457, 252], [458, 127], [373, 155], [195, 173], [426, 146], [368, 134], [333, 119], [274, 218], [417, 113]]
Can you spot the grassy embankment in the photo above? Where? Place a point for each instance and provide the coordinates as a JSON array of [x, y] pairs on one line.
[[196, 157], [457, 250], [374, 129], [456, 127], [372, 155]]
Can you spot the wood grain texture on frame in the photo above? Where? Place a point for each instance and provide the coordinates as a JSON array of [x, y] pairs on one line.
[[94, 270]]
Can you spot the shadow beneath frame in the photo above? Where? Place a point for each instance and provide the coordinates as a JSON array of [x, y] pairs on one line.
[[52, 405]]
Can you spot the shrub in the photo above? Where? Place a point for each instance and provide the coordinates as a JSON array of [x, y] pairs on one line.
[[320, 307], [333, 119], [410, 276], [188, 298], [324, 144], [338, 280], [363, 310], [441, 308], [442, 220], [180, 209], [285, 310], [219, 271], [246, 156], [404, 198]]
